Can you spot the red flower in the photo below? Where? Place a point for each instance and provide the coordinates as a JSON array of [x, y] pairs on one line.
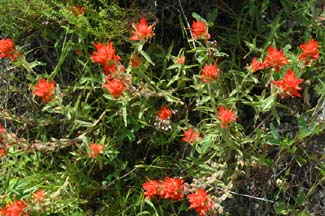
[[115, 87], [210, 72], [275, 59], [8, 49], [38, 196], [105, 55], [200, 30], [16, 209], [135, 60], [191, 136], [95, 149], [226, 116], [77, 10], [172, 188], [152, 188], [310, 51], [164, 113], [256, 65], [142, 31], [44, 89], [289, 84], [200, 202], [181, 60]]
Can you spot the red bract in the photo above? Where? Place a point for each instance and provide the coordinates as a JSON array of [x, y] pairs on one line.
[[275, 59], [135, 60], [17, 208], [44, 89], [210, 72], [95, 149], [38, 196], [191, 136], [289, 84], [152, 188], [200, 202], [8, 49], [105, 55], [310, 51], [115, 87], [77, 10], [181, 60], [256, 65], [172, 188], [164, 113], [226, 116], [142, 31], [200, 30]]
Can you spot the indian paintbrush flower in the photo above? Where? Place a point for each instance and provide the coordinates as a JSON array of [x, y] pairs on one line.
[[200, 201], [310, 51], [275, 59], [200, 30], [164, 113], [191, 136], [8, 49], [289, 84], [226, 117], [44, 89], [142, 32], [95, 149], [210, 72], [106, 56]]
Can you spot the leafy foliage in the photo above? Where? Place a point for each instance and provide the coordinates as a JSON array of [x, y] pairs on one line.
[[100, 97]]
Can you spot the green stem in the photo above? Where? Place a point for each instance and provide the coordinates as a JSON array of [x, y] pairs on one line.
[[212, 100]]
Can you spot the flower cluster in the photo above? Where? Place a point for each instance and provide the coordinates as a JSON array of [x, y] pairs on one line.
[[191, 136], [172, 188], [289, 84], [20, 207], [116, 82], [95, 149], [210, 72], [142, 32], [163, 118], [200, 30], [200, 201], [164, 113], [17, 208], [226, 117], [175, 189], [44, 89], [310, 51], [106, 56], [275, 59], [8, 49]]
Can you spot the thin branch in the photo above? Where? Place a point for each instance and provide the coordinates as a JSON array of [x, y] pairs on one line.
[[186, 20]]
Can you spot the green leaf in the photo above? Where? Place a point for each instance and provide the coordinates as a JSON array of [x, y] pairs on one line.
[[198, 17], [146, 56]]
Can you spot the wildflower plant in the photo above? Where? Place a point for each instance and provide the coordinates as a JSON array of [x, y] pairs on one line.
[[106, 119]]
